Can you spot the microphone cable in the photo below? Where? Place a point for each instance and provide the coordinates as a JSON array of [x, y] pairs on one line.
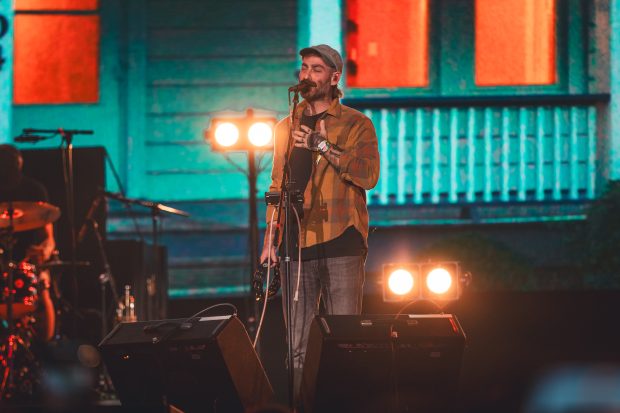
[[296, 295]]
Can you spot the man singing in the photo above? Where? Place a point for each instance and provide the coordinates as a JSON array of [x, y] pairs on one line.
[[334, 160]]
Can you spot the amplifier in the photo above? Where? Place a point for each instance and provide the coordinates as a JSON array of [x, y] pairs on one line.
[[387, 363], [207, 365]]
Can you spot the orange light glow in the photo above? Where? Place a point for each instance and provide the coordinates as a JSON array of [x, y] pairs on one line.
[[56, 59], [56, 4], [515, 42], [388, 43]]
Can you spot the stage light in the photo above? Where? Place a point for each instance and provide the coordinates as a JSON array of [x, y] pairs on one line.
[[441, 281], [235, 132], [438, 280], [260, 134], [251, 133], [226, 134], [400, 282]]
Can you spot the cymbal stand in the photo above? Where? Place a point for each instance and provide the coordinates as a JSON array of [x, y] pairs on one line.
[[156, 210], [105, 277]]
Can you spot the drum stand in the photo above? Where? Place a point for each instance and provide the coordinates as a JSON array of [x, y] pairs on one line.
[[7, 380]]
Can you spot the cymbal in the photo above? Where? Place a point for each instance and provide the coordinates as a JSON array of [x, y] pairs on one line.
[[57, 264], [28, 215]]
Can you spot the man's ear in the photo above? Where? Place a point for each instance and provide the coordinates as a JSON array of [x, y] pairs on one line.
[[335, 78]]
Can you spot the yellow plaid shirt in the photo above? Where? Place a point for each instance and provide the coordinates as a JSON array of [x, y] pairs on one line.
[[333, 199]]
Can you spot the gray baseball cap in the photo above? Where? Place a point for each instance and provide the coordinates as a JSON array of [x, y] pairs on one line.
[[329, 55]]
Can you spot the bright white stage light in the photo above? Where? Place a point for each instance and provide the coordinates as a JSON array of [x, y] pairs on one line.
[[260, 134], [439, 280], [226, 134], [400, 282]]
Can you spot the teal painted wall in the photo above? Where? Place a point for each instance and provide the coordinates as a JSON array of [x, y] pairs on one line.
[[203, 58], [168, 66], [6, 63], [614, 106], [105, 118]]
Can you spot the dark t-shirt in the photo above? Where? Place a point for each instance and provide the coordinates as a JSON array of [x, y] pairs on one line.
[[350, 242], [27, 190]]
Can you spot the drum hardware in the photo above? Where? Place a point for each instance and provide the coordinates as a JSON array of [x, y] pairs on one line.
[[18, 291], [57, 264], [106, 276], [156, 210], [23, 289], [27, 215], [16, 347]]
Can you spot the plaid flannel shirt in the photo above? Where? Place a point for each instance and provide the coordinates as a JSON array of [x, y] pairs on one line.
[[333, 199]]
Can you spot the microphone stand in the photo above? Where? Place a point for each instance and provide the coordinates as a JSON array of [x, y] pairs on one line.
[[67, 159], [105, 277], [284, 203]]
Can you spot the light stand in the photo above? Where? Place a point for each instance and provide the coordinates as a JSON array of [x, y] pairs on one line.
[[243, 143]]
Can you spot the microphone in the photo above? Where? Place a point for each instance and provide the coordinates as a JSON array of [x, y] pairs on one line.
[[29, 138], [89, 217], [303, 85]]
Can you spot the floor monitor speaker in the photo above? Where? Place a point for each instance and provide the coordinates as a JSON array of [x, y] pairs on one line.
[[384, 363], [204, 365]]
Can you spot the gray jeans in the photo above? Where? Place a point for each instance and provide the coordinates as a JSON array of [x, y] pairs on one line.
[[337, 283]]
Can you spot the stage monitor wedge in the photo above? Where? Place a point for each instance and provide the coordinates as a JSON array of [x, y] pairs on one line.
[[208, 365], [382, 363]]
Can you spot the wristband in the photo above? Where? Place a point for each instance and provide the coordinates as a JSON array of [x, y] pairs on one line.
[[324, 146]]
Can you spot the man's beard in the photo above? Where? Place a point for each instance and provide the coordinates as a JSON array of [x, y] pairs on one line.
[[317, 93]]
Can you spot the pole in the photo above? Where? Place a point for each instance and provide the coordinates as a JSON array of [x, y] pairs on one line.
[[253, 236]]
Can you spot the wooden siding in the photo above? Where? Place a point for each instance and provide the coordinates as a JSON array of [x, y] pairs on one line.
[[205, 57]]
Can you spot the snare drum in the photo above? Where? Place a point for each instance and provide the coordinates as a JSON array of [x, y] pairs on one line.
[[24, 290]]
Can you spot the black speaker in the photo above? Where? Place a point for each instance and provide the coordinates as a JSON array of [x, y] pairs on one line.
[[207, 365], [385, 363], [46, 166]]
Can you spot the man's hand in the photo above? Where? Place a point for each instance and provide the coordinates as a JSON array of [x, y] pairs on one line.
[[269, 251], [38, 254], [308, 138]]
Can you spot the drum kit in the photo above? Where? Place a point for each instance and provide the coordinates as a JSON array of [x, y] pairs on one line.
[[21, 288]]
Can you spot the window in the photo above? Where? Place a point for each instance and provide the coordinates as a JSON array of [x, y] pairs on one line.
[[387, 43], [56, 48], [515, 42], [413, 48]]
